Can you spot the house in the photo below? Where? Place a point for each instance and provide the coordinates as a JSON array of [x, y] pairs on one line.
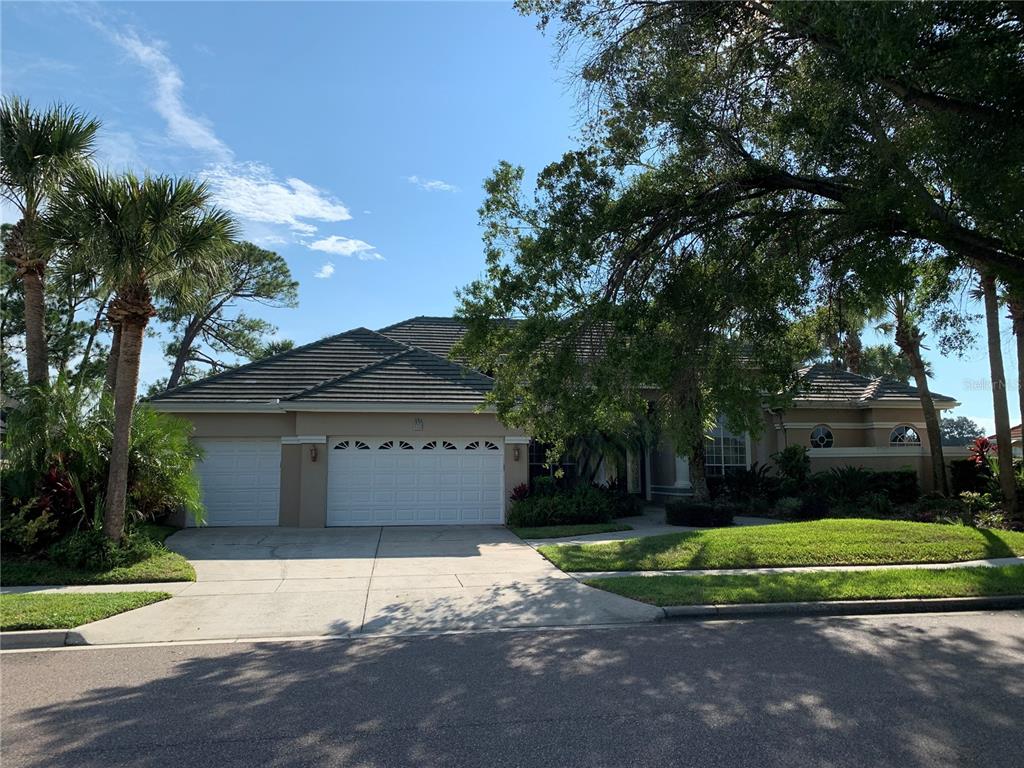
[[1016, 440], [381, 428]]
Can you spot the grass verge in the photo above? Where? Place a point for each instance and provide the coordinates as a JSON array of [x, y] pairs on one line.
[[817, 585], [67, 610], [564, 531], [821, 542], [162, 565]]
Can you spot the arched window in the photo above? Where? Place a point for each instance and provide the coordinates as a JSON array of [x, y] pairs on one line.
[[821, 437], [904, 435]]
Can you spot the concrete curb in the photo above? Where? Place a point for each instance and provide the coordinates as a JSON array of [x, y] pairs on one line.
[[33, 638], [847, 607]]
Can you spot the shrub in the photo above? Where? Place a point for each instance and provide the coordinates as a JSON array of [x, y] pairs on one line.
[[794, 466], [583, 504], [900, 485], [936, 508], [746, 484], [624, 503], [788, 506], [813, 507], [967, 475], [847, 483], [699, 514], [55, 467], [520, 492], [90, 549], [544, 485]]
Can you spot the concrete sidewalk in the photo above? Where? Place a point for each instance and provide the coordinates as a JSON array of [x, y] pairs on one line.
[[280, 582], [994, 562]]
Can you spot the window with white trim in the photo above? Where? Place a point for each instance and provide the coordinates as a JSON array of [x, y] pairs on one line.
[[821, 437], [904, 434], [726, 452]]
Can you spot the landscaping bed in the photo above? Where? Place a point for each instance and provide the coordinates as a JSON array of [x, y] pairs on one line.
[[817, 586], [70, 609], [821, 542], [161, 565], [565, 531]]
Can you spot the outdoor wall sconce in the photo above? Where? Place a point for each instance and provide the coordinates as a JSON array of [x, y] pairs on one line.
[[312, 454], [515, 453]]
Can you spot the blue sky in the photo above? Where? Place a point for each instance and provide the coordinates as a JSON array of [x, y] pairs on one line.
[[352, 138]]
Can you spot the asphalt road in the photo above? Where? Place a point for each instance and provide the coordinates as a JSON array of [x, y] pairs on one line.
[[927, 690]]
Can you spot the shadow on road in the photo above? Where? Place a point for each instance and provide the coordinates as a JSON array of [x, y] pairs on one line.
[[890, 691]]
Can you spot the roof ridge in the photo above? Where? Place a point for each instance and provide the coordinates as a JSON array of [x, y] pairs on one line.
[[361, 369], [254, 364], [442, 358], [871, 390]]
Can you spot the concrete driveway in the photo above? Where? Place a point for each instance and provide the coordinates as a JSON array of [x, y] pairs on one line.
[[288, 582]]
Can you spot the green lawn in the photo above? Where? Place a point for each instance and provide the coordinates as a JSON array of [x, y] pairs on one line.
[[564, 531], [817, 585], [162, 566], [821, 542], [67, 610]]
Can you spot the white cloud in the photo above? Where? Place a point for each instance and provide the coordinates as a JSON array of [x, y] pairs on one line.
[[118, 151], [432, 185], [325, 271], [251, 191], [347, 246], [193, 131]]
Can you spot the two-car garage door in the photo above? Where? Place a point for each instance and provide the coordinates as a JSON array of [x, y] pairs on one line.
[[414, 481]]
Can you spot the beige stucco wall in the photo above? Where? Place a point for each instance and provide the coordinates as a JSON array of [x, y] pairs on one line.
[[861, 439], [304, 478]]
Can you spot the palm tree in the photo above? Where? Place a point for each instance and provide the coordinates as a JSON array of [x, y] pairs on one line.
[[37, 151], [1015, 301], [908, 336], [1007, 481], [145, 235]]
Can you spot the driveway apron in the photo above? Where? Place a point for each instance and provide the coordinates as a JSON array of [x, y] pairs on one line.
[[289, 582]]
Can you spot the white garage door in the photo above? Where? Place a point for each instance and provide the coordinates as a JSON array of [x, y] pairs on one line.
[[413, 481], [241, 481]]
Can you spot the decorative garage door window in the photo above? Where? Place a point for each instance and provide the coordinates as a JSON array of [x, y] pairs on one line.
[[821, 437], [357, 444], [487, 446], [904, 435], [411, 481]]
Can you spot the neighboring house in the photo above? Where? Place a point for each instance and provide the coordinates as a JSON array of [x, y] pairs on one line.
[[1016, 440], [381, 428]]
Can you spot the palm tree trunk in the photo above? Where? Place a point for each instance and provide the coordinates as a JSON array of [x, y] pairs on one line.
[[908, 339], [1004, 451], [1017, 317], [115, 349], [133, 329], [35, 326]]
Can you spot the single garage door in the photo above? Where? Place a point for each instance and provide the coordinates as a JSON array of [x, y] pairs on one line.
[[410, 481], [241, 481]]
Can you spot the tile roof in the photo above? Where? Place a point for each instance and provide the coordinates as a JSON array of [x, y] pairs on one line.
[[434, 334], [407, 363], [411, 376], [356, 366], [1016, 434], [827, 383]]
